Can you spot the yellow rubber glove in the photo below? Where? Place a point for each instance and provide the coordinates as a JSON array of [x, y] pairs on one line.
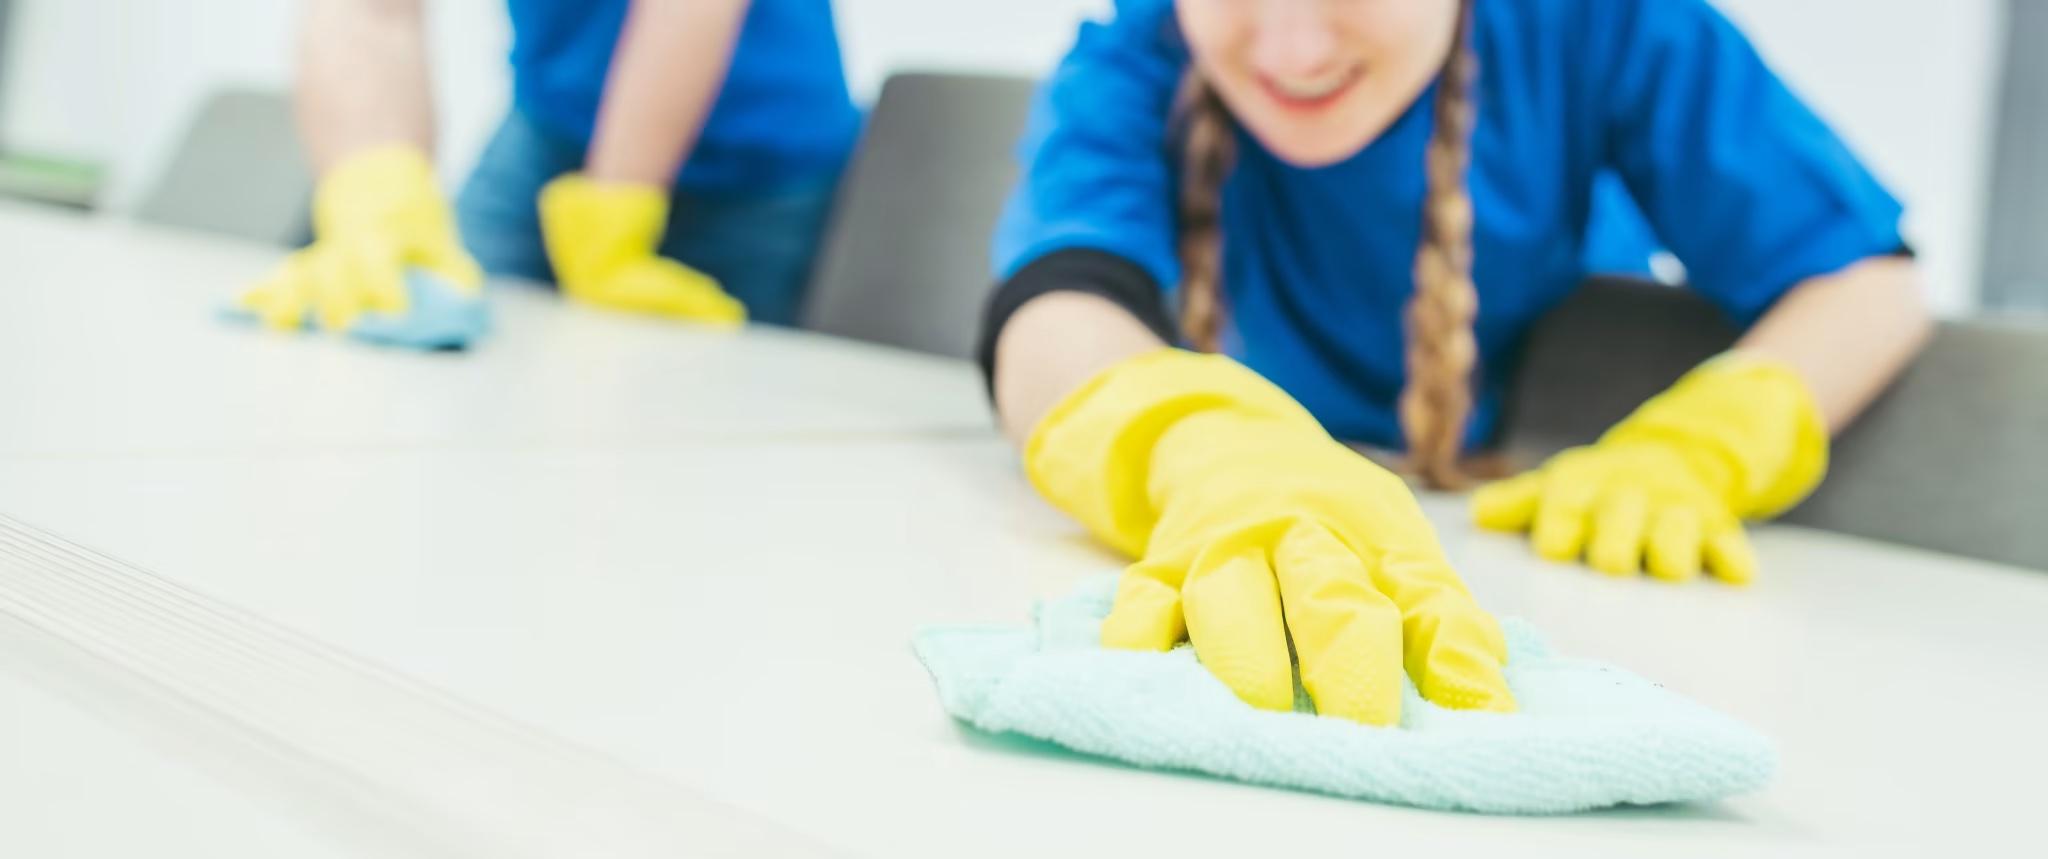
[[376, 214], [1252, 526], [1667, 488], [601, 239]]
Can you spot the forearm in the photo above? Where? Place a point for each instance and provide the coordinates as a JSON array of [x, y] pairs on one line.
[[362, 78], [1054, 343], [1848, 334], [671, 61]]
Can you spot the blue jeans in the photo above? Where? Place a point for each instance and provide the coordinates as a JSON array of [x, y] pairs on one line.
[[758, 245]]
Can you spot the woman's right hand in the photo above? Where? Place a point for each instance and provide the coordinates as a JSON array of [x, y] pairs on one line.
[[1253, 527]]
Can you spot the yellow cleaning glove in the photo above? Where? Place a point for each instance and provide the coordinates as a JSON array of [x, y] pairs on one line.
[[376, 214], [1667, 488], [1252, 526], [601, 239]]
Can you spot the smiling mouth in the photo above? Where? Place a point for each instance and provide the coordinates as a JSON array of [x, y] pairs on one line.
[[1311, 95]]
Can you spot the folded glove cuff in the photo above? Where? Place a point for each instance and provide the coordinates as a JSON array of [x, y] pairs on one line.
[[1091, 455], [589, 225], [1750, 426], [389, 188]]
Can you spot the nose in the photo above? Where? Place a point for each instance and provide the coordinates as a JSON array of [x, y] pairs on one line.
[[1295, 38]]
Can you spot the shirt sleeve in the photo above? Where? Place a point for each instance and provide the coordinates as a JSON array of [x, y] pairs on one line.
[[1094, 167], [1738, 177]]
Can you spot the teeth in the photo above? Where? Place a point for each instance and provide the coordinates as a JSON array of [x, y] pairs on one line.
[[1309, 89]]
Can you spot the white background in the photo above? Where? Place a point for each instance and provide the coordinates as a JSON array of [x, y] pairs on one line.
[[1910, 83]]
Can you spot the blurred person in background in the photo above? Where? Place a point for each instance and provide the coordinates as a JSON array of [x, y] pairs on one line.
[[1356, 209], [660, 157]]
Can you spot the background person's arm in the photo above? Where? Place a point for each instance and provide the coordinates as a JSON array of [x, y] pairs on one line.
[[1848, 334], [362, 78], [603, 225], [670, 63], [366, 118]]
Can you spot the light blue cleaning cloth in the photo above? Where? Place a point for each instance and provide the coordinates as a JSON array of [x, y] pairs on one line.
[[1586, 736], [438, 317]]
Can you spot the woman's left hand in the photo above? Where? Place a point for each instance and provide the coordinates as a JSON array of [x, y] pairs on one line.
[[1666, 490]]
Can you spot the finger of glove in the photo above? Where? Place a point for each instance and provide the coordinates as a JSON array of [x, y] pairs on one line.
[[1346, 634], [693, 296], [1452, 649], [384, 295], [379, 280], [1232, 608], [1561, 516], [1508, 505], [1147, 612], [453, 265], [667, 290], [1729, 555], [279, 301], [1621, 520], [1676, 543], [344, 282]]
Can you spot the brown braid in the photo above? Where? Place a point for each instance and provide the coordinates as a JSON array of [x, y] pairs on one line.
[[1442, 351], [1208, 146]]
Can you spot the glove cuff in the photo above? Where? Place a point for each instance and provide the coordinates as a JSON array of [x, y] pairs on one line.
[[1091, 455], [1747, 424], [389, 188], [589, 226]]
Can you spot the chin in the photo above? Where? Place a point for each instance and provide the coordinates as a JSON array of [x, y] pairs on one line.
[[1309, 135], [1308, 143]]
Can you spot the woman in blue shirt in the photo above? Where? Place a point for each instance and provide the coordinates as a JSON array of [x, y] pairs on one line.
[[668, 158], [1364, 204]]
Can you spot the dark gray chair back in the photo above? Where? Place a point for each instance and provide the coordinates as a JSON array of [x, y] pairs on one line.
[[905, 257], [1954, 457], [238, 170]]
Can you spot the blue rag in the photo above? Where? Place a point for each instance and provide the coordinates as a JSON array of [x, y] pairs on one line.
[[437, 317], [1586, 735]]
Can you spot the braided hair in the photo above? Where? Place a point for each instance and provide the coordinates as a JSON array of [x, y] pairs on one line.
[[1441, 349]]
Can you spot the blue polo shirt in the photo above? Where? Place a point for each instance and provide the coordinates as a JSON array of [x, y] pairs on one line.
[[782, 119], [1730, 171]]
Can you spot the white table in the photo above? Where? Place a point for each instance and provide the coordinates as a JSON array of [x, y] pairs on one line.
[[732, 612], [113, 346]]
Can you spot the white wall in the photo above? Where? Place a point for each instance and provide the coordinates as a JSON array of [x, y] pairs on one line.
[[1912, 86], [116, 79], [1908, 82]]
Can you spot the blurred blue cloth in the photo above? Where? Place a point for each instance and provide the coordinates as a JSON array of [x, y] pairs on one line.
[[1587, 735], [438, 317]]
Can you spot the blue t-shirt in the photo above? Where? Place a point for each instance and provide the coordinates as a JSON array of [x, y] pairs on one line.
[[783, 118], [1735, 176]]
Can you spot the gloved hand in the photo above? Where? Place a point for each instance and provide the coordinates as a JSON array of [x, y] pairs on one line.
[[382, 237], [1252, 525], [601, 239], [1738, 438]]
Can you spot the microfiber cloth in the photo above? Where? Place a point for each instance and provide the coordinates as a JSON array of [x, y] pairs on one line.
[[437, 317], [1586, 735]]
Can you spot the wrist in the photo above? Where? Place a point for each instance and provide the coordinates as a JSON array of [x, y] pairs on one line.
[[606, 169]]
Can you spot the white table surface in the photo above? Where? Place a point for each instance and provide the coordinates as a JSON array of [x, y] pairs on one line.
[[109, 343], [732, 613]]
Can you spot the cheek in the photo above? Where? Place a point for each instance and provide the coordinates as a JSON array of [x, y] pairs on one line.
[[1214, 29], [1392, 32]]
